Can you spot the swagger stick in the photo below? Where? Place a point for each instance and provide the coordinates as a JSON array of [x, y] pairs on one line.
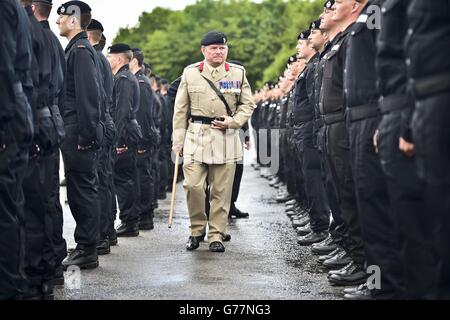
[[174, 189]]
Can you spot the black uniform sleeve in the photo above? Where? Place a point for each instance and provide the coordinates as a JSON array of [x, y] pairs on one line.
[[8, 20], [44, 63], [87, 96], [124, 108]]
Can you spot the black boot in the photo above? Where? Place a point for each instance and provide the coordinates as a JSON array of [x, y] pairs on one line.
[[113, 238], [238, 214], [192, 244], [146, 223], [127, 230], [82, 257], [103, 247]]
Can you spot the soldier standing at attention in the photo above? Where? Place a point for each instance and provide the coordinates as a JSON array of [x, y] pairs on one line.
[[82, 103], [214, 99]]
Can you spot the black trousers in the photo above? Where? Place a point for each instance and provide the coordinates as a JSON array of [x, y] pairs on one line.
[[105, 177], [82, 189], [127, 187], [338, 229], [40, 206], [296, 169], [146, 182], [164, 161], [13, 163], [338, 156], [282, 172], [237, 183], [312, 174], [431, 132], [58, 241], [375, 213], [417, 253], [291, 163], [156, 177], [315, 191]]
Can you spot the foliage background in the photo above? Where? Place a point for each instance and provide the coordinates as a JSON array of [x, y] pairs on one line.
[[261, 35]]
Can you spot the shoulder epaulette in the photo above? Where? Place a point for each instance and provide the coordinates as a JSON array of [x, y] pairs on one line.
[[194, 65], [236, 66], [81, 46]]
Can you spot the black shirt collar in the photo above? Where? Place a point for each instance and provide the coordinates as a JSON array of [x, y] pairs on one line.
[[45, 24], [81, 35], [124, 68]]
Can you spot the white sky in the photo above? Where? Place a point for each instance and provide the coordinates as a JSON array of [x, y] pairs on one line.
[[114, 14]]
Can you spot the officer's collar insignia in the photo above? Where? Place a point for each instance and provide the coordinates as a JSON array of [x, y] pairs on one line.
[[227, 67], [201, 66]]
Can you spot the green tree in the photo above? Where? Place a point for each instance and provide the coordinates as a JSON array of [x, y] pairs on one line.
[[261, 35]]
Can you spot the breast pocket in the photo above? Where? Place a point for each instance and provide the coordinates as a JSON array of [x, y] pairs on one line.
[[328, 68], [195, 95]]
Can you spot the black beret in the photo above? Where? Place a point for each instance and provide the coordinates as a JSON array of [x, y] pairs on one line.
[[328, 4], [304, 35], [214, 37], [119, 48], [136, 50], [315, 24], [95, 25], [49, 2], [71, 7]]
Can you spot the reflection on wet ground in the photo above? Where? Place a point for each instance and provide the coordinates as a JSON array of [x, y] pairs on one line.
[[263, 260]]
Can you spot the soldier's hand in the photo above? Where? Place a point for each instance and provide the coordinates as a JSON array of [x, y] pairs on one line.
[[221, 125], [248, 145], [178, 149], [121, 150], [409, 149]]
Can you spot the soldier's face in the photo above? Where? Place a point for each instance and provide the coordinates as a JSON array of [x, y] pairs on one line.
[[215, 54], [304, 49], [343, 9], [63, 23], [113, 60], [316, 39], [326, 21]]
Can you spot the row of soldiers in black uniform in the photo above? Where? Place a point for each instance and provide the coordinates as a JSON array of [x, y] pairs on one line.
[[112, 128], [364, 120]]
